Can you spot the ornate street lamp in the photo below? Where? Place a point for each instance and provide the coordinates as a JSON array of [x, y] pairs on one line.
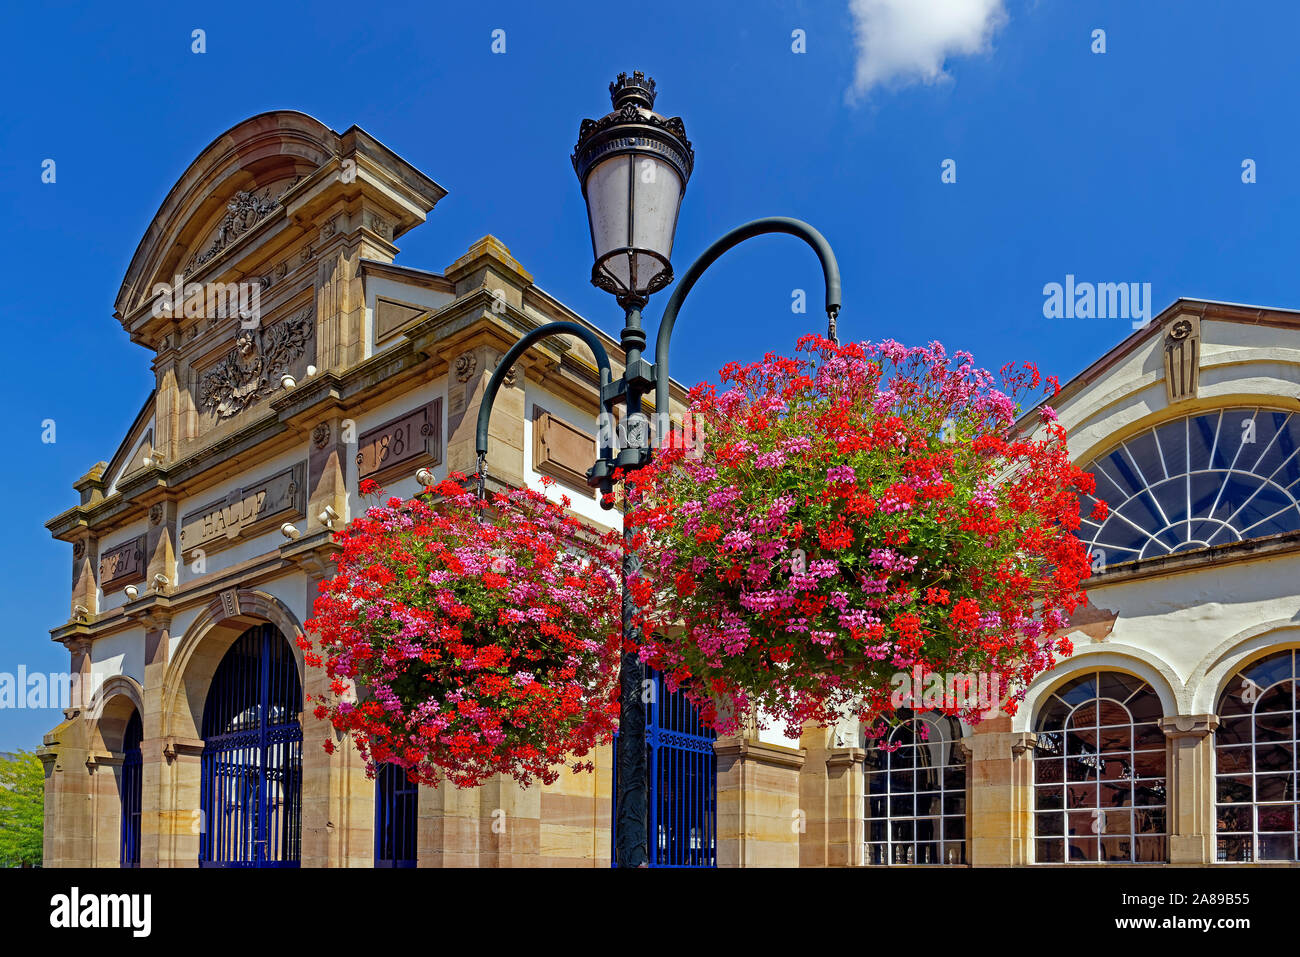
[[633, 165]]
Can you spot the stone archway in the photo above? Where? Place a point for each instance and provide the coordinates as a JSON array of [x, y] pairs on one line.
[[337, 796], [90, 804], [172, 817]]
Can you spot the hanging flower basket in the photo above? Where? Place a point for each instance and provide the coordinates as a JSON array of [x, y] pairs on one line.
[[483, 638], [848, 531]]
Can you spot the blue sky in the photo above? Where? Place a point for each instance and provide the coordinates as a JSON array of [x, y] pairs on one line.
[[1115, 167]]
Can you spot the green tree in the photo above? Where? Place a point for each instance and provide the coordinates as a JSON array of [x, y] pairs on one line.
[[22, 809]]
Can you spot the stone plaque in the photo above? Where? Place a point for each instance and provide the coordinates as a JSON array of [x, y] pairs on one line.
[[562, 449], [402, 444], [123, 565], [248, 510]]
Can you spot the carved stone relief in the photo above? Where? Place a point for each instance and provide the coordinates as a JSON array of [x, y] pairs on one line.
[[252, 369]]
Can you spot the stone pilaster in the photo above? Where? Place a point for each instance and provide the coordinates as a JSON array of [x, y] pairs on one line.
[[845, 807], [448, 830], [1190, 811], [85, 589], [338, 799], [160, 544], [999, 787], [327, 476], [163, 811], [506, 427], [758, 803], [813, 798], [104, 772]]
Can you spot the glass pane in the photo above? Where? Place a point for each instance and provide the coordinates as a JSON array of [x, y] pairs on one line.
[[1046, 825], [1050, 852], [1049, 799], [1236, 818], [1234, 790], [1277, 847], [1151, 849], [1082, 849], [1233, 730], [1117, 848], [1234, 848]]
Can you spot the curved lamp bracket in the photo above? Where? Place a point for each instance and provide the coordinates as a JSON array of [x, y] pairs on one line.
[[512, 356], [759, 227]]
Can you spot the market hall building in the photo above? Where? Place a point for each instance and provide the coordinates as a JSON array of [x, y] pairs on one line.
[[196, 551]]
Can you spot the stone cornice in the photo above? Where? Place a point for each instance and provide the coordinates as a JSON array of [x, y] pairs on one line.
[[198, 593], [845, 757], [762, 752]]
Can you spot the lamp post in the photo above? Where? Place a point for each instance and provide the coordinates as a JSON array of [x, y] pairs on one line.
[[634, 165]]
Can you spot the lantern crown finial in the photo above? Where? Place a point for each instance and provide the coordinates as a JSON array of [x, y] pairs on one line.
[[638, 89]]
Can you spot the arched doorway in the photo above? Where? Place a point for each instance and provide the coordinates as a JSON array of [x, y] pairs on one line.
[[251, 790], [131, 788]]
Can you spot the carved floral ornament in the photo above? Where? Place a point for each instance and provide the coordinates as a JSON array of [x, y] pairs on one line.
[[251, 370], [320, 435], [466, 363], [244, 211]]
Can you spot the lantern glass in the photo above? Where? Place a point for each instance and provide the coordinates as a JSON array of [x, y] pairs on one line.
[[632, 202]]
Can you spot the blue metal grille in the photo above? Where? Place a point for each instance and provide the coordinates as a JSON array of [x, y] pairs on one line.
[[397, 804], [683, 818], [251, 792], [131, 788]]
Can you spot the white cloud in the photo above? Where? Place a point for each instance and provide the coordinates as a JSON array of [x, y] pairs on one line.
[[907, 41]]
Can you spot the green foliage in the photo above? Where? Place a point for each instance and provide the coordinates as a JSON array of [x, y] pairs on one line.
[[22, 809]]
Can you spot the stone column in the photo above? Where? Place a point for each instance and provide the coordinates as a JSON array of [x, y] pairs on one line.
[[999, 795], [758, 803], [1190, 810]]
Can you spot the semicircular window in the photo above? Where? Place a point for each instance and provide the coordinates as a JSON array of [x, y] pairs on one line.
[[1194, 482]]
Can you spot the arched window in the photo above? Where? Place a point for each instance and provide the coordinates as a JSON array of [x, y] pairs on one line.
[[1100, 786], [131, 787], [1197, 481], [1255, 762], [397, 804], [916, 793]]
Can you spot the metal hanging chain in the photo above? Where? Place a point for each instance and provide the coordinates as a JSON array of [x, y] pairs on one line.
[[830, 326]]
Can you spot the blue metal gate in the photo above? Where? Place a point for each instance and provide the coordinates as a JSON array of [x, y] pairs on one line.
[[131, 788], [683, 818], [251, 792], [397, 805]]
